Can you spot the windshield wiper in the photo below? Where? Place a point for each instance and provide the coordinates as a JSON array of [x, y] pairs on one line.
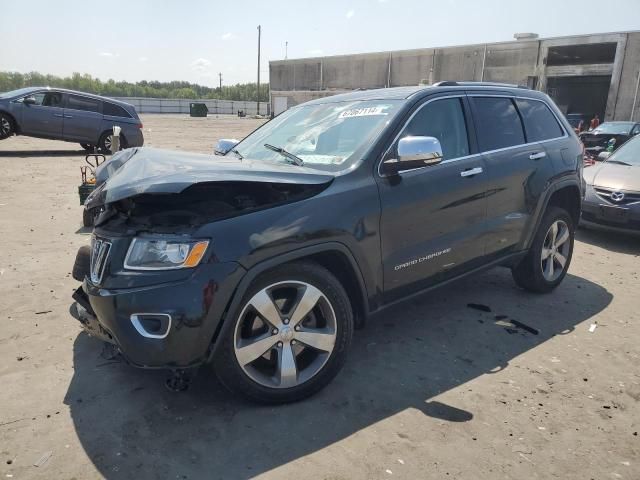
[[235, 150], [294, 159]]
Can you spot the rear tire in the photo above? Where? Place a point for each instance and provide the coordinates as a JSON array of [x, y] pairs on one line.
[[104, 144], [300, 304], [7, 127], [549, 257]]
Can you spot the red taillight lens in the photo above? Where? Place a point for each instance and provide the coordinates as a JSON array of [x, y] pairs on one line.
[[140, 126]]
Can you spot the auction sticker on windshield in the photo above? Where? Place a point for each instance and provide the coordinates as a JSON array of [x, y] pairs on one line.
[[364, 112]]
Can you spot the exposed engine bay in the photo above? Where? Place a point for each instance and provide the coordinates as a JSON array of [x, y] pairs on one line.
[[201, 203]]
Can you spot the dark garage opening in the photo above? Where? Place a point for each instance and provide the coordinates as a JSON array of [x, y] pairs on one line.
[[586, 95], [582, 54]]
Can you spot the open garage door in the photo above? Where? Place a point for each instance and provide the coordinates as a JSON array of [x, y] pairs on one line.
[[585, 95]]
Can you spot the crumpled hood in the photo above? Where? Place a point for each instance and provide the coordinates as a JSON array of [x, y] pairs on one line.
[[613, 176], [151, 170]]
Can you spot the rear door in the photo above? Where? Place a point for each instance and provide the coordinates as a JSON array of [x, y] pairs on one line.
[[82, 118], [45, 117], [518, 165], [433, 218]]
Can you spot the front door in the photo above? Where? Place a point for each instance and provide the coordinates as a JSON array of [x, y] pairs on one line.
[[433, 219], [82, 119], [44, 118]]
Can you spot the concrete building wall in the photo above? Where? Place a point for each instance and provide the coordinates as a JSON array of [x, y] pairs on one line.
[[518, 62], [629, 78]]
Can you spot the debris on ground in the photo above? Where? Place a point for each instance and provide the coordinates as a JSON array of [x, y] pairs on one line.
[[43, 459], [43, 312], [479, 306], [592, 327]]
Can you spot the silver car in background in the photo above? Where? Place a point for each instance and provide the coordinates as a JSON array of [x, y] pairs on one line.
[[613, 190], [67, 115]]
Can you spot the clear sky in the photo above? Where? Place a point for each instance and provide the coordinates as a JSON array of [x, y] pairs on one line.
[[194, 40]]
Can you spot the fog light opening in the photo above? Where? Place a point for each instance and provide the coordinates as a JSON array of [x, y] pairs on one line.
[[152, 325]]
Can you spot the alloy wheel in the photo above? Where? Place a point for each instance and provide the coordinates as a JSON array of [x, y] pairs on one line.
[[285, 334], [107, 143], [555, 250]]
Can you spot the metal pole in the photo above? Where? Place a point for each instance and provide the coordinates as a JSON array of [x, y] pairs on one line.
[[258, 86], [286, 49], [484, 59], [220, 75], [635, 97]]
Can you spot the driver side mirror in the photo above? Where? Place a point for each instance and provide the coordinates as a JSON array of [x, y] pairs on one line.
[[602, 156], [414, 152], [225, 145], [30, 100]]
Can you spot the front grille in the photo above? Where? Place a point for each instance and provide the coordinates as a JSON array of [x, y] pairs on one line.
[[100, 249], [618, 197]]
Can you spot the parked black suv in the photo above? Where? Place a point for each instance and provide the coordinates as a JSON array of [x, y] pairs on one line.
[[262, 261]]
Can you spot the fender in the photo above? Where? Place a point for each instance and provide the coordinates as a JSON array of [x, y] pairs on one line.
[[542, 207], [270, 263]]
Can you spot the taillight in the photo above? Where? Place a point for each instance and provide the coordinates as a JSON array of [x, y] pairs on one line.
[[140, 126]]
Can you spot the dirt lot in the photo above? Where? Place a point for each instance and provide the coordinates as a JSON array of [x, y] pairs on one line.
[[432, 389]]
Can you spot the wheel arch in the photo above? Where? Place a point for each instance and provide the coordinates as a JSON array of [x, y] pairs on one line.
[[333, 256], [565, 194]]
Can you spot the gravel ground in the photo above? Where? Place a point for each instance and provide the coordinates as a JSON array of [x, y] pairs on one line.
[[433, 388]]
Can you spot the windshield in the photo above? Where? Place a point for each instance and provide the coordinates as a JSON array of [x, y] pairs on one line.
[[627, 154], [614, 128], [15, 93], [329, 137]]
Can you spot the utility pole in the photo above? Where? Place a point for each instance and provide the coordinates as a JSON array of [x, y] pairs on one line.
[[286, 49], [220, 75], [258, 86]]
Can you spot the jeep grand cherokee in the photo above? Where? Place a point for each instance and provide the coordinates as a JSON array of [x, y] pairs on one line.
[[261, 260]]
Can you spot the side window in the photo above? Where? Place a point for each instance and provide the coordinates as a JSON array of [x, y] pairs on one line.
[[539, 123], [76, 102], [52, 99], [444, 120], [49, 99], [497, 123], [114, 110], [39, 98]]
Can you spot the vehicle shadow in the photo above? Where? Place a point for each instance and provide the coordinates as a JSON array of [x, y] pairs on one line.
[[616, 242], [42, 153], [132, 427]]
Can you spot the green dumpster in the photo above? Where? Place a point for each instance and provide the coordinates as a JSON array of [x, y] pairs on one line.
[[198, 110]]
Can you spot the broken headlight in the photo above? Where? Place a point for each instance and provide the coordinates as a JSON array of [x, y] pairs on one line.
[[158, 254]]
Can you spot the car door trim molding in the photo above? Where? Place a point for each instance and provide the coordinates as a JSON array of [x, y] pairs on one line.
[[467, 157]]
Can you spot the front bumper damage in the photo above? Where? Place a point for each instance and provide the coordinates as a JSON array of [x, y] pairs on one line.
[[195, 306]]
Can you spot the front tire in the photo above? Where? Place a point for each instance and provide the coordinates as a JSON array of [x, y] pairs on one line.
[[88, 147], [6, 126], [547, 262], [289, 337]]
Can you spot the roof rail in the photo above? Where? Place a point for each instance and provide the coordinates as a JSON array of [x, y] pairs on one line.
[[448, 83]]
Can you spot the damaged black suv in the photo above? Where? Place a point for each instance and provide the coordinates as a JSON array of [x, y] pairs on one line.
[[263, 258]]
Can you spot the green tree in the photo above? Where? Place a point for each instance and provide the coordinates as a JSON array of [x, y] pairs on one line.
[[149, 89]]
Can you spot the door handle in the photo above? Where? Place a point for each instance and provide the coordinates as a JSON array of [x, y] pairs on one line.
[[471, 172], [68, 116], [59, 115], [537, 155]]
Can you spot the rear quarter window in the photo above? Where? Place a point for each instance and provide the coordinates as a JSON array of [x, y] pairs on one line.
[[114, 110], [497, 123], [539, 123]]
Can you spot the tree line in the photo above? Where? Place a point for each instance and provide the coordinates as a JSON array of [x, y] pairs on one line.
[[151, 89]]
